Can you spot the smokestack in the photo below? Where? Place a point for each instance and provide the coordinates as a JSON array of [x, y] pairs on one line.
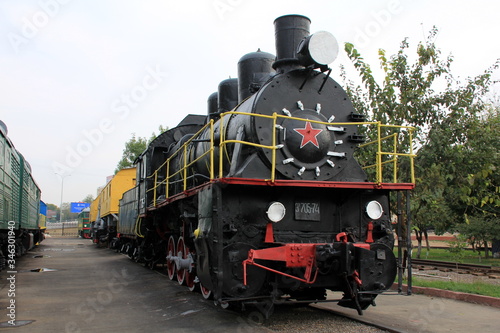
[[290, 30]]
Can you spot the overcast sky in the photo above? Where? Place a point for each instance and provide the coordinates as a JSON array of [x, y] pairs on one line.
[[78, 77]]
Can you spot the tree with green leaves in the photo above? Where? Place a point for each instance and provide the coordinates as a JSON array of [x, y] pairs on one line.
[[88, 199], [52, 207], [134, 147], [161, 129], [424, 94], [65, 210], [478, 192], [428, 202], [407, 95]]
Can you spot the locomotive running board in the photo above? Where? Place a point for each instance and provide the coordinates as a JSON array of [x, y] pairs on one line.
[[280, 182], [310, 183]]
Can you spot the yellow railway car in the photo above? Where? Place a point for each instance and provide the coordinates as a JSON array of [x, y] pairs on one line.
[[104, 209]]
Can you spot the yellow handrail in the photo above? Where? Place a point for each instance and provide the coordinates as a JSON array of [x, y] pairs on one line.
[[182, 170], [137, 229], [207, 134]]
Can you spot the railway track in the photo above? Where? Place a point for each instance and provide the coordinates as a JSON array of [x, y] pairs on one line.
[[472, 268]]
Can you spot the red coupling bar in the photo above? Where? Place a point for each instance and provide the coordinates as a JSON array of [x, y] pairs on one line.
[[294, 255]]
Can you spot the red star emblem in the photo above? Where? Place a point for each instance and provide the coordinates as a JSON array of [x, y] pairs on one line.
[[309, 134]]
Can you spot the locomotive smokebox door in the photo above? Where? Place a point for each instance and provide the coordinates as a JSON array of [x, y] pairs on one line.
[[311, 146], [307, 142]]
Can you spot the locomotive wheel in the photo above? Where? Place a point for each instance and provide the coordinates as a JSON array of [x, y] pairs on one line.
[[190, 278], [135, 254], [181, 252], [170, 263], [206, 293], [127, 251]]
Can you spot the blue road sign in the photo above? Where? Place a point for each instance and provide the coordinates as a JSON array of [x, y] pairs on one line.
[[77, 207]]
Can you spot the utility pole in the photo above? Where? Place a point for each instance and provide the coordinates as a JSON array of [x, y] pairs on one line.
[[60, 207]]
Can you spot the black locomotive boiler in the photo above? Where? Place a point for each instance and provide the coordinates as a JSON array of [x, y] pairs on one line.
[[263, 200]]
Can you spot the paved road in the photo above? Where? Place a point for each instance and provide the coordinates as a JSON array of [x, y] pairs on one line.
[[97, 290]]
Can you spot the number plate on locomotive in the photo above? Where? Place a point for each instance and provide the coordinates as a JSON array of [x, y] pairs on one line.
[[307, 211]]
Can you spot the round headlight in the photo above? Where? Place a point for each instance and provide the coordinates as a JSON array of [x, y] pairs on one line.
[[276, 211], [323, 47], [374, 210]]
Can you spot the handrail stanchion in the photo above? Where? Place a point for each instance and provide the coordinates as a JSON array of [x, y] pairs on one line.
[[167, 177], [273, 156], [211, 149], [184, 171], [412, 169], [221, 144], [154, 188], [379, 153], [395, 151]]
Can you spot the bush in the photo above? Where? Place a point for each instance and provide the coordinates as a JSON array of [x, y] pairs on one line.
[[457, 247]]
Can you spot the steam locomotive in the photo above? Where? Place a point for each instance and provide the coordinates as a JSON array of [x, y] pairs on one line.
[[264, 200]]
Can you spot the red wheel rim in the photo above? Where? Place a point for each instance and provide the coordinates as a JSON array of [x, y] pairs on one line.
[[206, 293], [190, 278], [170, 263], [181, 252]]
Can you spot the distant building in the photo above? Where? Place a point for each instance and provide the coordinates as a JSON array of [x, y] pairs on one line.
[[99, 189], [51, 215]]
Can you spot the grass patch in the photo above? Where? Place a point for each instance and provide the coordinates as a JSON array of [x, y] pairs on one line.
[[469, 257], [479, 288]]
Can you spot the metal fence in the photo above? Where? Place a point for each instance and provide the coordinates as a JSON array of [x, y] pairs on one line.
[[69, 228]]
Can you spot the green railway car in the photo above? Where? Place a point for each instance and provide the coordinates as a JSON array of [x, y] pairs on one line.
[[19, 202], [84, 223]]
